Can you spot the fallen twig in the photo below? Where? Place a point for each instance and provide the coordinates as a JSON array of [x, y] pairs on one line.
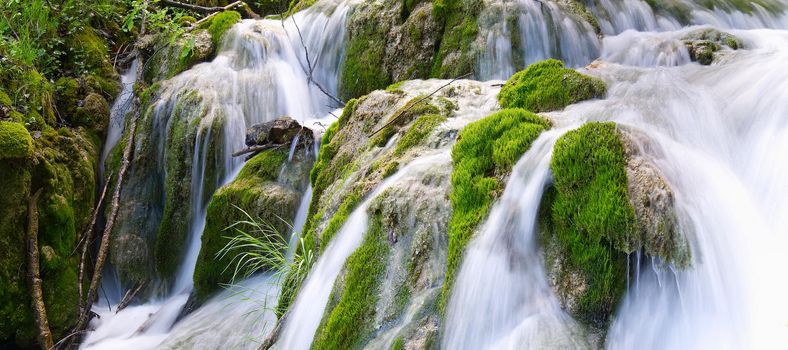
[[129, 296], [253, 149], [402, 111], [34, 274], [87, 238]]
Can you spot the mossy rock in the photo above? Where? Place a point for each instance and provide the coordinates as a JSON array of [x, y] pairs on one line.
[[484, 154], [63, 165], [592, 219], [256, 192], [220, 23], [15, 141], [547, 86], [347, 321], [702, 44], [93, 113]]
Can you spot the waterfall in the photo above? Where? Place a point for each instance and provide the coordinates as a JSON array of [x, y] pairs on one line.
[[502, 298], [258, 75], [718, 146], [307, 310]]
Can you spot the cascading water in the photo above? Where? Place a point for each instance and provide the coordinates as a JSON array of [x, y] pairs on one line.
[[257, 76], [718, 134], [502, 298], [307, 311]]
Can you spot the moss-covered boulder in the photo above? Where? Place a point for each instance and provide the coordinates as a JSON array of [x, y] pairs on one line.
[[63, 165], [168, 57], [606, 204], [259, 192], [15, 141], [703, 44], [483, 156], [394, 40], [547, 86], [220, 23]]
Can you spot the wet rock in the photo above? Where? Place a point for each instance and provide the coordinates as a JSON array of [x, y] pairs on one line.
[[702, 44], [654, 204], [279, 131]]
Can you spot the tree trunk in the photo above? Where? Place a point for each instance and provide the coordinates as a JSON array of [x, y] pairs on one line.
[[34, 275]]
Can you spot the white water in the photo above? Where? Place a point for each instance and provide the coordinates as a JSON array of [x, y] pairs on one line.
[[502, 298], [719, 134], [257, 76], [117, 113], [307, 310]]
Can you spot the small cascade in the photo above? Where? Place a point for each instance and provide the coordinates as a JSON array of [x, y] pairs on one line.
[[118, 111], [257, 76], [307, 311], [502, 298]]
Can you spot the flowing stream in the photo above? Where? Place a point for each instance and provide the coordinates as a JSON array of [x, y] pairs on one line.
[[719, 134], [258, 75]]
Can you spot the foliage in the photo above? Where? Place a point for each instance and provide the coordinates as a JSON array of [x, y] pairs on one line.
[[15, 141], [485, 149], [220, 23], [546, 86], [420, 129], [591, 213], [351, 318]]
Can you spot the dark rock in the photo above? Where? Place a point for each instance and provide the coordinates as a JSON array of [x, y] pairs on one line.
[[281, 130]]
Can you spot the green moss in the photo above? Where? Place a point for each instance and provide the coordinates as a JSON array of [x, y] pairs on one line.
[[34, 93], [744, 6], [363, 69], [420, 129], [221, 23], [327, 168], [93, 114], [253, 191], [5, 100], [338, 219], [592, 216], [413, 109], [347, 324], [395, 86], [15, 141], [460, 28], [485, 149], [390, 169], [398, 344], [67, 95], [547, 85]]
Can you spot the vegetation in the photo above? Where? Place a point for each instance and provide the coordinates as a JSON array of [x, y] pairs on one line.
[[220, 23], [253, 193], [460, 28], [485, 150], [351, 318], [547, 86], [15, 141], [592, 218]]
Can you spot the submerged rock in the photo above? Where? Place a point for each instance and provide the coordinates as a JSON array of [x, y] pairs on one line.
[[703, 44]]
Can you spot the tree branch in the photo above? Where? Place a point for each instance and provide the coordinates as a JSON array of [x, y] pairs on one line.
[[310, 79], [401, 112], [86, 241], [34, 274], [256, 149]]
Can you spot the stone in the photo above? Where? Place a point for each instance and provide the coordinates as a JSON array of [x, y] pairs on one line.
[[281, 130]]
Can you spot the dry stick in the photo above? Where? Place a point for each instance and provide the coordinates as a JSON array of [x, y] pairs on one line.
[[87, 239], [253, 149], [311, 68], [34, 276], [191, 7], [129, 296], [274, 335], [247, 10], [84, 316], [401, 112]]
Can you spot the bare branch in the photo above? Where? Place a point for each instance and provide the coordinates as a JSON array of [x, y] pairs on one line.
[[401, 112], [87, 238], [129, 296], [34, 274], [310, 67], [257, 149]]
